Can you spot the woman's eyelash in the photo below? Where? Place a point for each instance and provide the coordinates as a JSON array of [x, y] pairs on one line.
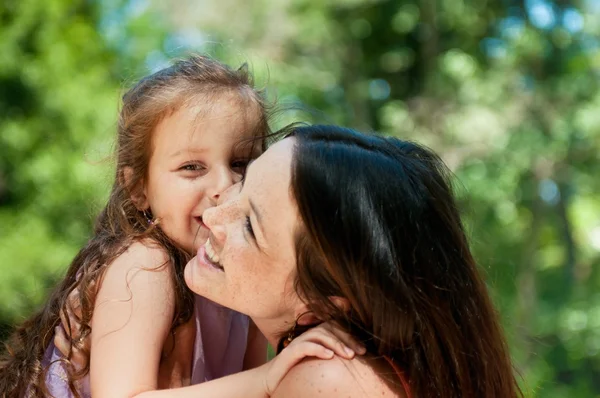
[[249, 227]]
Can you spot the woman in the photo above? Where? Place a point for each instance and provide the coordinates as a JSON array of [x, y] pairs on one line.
[[333, 225], [363, 231]]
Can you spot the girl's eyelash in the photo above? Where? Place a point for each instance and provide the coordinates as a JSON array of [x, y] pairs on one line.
[[243, 176], [192, 166], [249, 227], [242, 164], [245, 171]]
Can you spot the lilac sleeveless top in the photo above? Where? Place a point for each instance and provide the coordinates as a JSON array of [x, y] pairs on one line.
[[219, 349]]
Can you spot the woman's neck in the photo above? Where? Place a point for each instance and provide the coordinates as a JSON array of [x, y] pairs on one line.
[[273, 329]]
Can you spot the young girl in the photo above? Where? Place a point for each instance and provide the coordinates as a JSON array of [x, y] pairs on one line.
[[185, 134]]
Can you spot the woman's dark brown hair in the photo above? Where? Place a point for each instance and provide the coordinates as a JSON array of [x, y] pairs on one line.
[[194, 80], [381, 229]]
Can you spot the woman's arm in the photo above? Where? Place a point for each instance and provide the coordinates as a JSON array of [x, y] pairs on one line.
[[131, 320]]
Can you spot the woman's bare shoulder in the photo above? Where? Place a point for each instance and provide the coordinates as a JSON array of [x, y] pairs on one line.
[[339, 377]]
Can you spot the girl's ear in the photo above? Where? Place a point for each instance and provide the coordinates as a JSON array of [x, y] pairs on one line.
[[137, 192]]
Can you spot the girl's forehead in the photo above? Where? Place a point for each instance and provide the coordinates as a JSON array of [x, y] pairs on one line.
[[233, 99], [232, 110], [203, 125]]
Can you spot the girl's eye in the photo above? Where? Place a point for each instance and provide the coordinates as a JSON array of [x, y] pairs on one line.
[[239, 166], [248, 226], [243, 172], [192, 167]]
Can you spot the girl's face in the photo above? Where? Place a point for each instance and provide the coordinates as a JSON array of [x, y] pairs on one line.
[[195, 157], [248, 263]]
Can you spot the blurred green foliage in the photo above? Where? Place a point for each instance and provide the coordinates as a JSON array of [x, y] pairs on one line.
[[506, 91]]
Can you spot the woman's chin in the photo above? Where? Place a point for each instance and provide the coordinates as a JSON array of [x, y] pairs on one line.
[[190, 275], [199, 273]]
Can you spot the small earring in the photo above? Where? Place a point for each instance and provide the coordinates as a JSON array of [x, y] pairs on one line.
[[295, 332], [149, 218]]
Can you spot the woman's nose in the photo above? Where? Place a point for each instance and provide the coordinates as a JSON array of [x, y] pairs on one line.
[[226, 211], [213, 219], [230, 193]]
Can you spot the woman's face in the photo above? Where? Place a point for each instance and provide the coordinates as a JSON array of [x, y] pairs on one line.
[[248, 263]]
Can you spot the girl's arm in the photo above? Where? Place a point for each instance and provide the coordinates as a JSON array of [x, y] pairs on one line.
[[322, 342], [256, 351], [131, 320], [260, 382]]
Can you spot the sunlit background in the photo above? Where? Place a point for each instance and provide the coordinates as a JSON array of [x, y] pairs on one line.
[[506, 91]]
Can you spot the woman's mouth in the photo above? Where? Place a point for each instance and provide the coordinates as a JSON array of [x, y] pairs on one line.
[[208, 255], [210, 252]]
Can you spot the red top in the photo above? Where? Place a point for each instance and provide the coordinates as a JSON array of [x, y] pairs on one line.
[[400, 374]]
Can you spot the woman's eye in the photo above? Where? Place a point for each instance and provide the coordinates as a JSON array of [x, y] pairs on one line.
[[248, 225]]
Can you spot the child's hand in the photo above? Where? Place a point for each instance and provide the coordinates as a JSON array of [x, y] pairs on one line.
[[323, 341], [67, 336]]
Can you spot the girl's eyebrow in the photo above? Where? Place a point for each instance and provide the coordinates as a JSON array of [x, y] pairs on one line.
[[188, 150]]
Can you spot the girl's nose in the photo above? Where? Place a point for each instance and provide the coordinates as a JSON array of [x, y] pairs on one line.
[[223, 179]]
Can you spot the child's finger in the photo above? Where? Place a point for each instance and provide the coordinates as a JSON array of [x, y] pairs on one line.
[[61, 342], [314, 350], [68, 349], [345, 338], [69, 323], [74, 302], [291, 356], [70, 316], [328, 340], [308, 349]]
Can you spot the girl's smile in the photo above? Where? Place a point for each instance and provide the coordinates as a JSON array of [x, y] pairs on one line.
[[196, 156]]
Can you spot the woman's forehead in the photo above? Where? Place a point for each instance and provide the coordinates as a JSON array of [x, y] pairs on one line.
[[268, 182], [273, 167]]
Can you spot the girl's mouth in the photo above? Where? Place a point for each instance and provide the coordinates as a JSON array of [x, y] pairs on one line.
[[199, 221]]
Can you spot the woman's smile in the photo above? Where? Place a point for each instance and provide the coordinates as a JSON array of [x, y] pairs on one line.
[[207, 257], [210, 251]]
